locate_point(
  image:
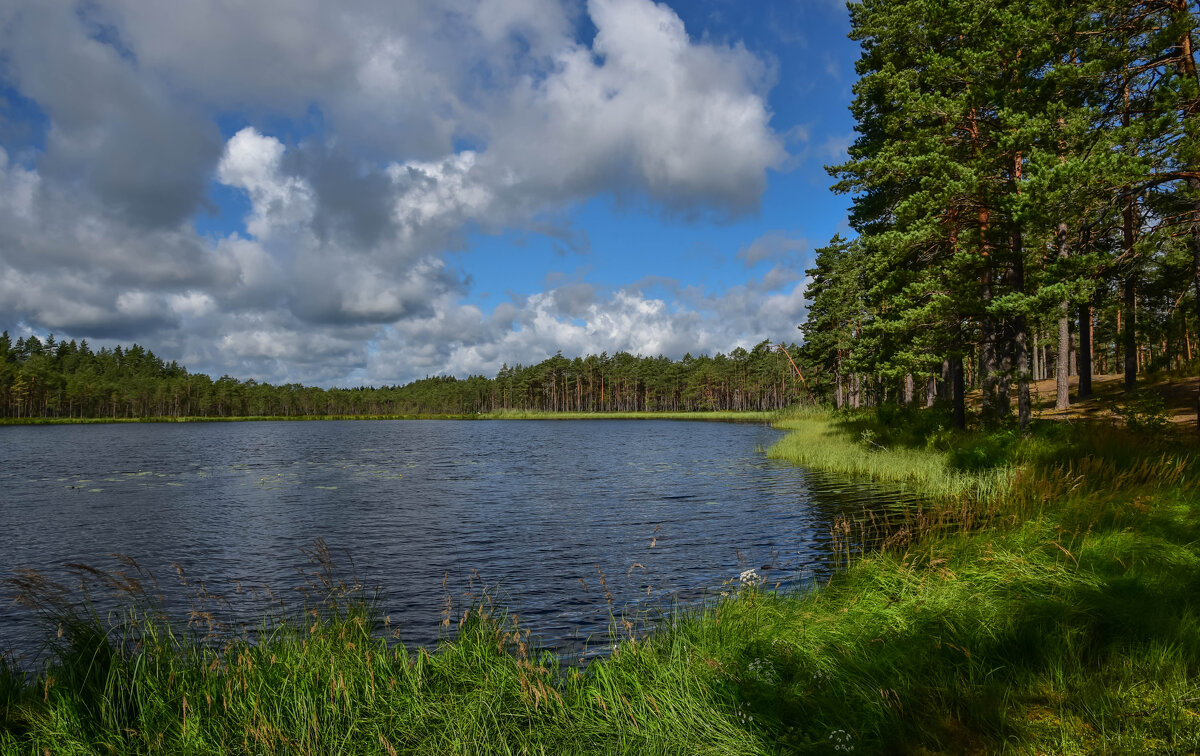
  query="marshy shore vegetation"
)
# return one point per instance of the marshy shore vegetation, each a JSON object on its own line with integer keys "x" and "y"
{"x": 1043, "y": 599}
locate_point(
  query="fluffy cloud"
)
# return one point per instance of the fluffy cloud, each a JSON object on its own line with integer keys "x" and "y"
{"x": 644, "y": 109}
{"x": 572, "y": 318}
{"x": 422, "y": 122}
{"x": 280, "y": 203}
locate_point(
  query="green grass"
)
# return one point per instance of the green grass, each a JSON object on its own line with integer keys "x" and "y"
{"x": 325, "y": 679}
{"x": 1045, "y": 598}
{"x": 863, "y": 449}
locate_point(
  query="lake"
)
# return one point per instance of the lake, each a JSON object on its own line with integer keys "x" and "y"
{"x": 667, "y": 510}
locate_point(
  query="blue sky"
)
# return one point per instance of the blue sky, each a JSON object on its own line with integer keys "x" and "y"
{"x": 372, "y": 192}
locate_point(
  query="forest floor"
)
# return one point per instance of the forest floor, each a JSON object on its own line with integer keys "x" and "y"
{"x": 1178, "y": 393}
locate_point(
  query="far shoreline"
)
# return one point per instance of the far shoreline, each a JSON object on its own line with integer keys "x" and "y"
{"x": 746, "y": 416}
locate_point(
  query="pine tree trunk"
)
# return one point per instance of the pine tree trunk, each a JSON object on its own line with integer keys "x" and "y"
{"x": 1062, "y": 397}
{"x": 1021, "y": 341}
{"x": 1195, "y": 240}
{"x": 988, "y": 368}
{"x": 1187, "y": 64}
{"x": 988, "y": 352}
{"x": 1130, "y": 299}
{"x": 958, "y": 395}
{"x": 1085, "y": 352}
{"x": 1129, "y": 296}
{"x": 1037, "y": 357}
{"x": 837, "y": 375}
{"x": 1005, "y": 353}
{"x": 1072, "y": 367}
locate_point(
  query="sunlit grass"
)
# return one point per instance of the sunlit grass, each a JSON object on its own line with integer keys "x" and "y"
{"x": 816, "y": 441}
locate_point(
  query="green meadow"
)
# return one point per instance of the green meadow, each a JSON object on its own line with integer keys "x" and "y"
{"x": 1045, "y": 598}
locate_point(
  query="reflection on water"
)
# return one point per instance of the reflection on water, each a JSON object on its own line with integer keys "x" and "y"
{"x": 539, "y": 509}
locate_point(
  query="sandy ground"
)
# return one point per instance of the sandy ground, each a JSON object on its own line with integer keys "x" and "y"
{"x": 1179, "y": 395}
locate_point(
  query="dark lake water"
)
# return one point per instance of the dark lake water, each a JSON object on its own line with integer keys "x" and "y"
{"x": 669, "y": 511}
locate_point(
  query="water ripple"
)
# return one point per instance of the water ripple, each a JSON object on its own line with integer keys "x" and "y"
{"x": 536, "y": 508}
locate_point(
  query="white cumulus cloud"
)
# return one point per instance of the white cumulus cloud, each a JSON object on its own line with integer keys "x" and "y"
{"x": 419, "y": 123}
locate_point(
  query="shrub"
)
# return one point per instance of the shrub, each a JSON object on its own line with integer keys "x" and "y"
{"x": 1144, "y": 412}
{"x": 984, "y": 452}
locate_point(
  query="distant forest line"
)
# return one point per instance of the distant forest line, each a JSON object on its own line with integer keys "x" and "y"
{"x": 45, "y": 378}
{"x": 49, "y": 378}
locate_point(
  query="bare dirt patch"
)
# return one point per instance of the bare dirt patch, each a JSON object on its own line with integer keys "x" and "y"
{"x": 1179, "y": 398}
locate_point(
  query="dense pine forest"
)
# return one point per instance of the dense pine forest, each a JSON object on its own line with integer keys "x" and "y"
{"x": 47, "y": 378}
{"x": 1026, "y": 197}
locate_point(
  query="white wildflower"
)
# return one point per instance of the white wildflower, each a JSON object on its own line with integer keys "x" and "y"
{"x": 764, "y": 671}
{"x": 750, "y": 578}
{"x": 743, "y": 713}
{"x": 842, "y": 741}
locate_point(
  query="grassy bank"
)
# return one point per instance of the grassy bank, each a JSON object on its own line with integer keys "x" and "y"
{"x": 866, "y": 448}
{"x": 1046, "y": 599}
